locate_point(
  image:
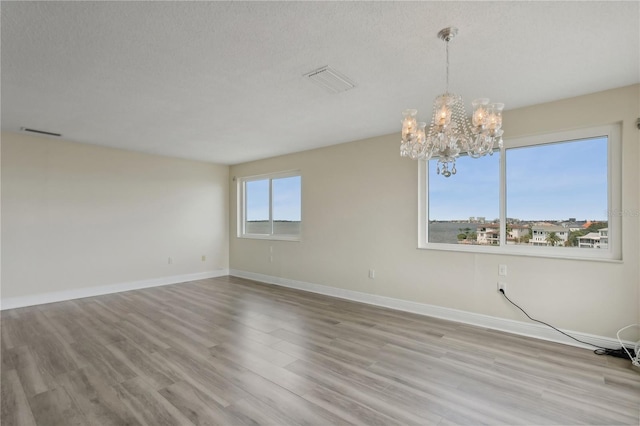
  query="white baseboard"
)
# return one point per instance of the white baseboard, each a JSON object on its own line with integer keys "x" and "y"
{"x": 533, "y": 330}
{"x": 79, "y": 293}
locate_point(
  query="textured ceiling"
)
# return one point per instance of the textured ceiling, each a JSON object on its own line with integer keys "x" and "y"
{"x": 223, "y": 81}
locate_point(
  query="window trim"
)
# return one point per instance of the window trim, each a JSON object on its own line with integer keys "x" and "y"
{"x": 242, "y": 203}
{"x": 614, "y": 177}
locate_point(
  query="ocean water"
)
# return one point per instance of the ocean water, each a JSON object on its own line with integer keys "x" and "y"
{"x": 279, "y": 228}
{"x": 439, "y": 232}
{"x": 447, "y": 232}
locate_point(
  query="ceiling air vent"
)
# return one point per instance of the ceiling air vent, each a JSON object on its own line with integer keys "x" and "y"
{"x": 330, "y": 79}
{"x": 40, "y": 132}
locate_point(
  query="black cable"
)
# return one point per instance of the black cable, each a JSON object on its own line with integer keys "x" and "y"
{"x": 618, "y": 353}
{"x": 599, "y": 351}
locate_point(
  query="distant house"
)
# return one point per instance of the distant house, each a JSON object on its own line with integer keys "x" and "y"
{"x": 540, "y": 235}
{"x": 488, "y": 234}
{"x": 516, "y": 233}
{"x": 573, "y": 225}
{"x": 598, "y": 239}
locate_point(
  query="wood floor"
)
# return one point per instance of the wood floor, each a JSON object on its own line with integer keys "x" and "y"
{"x": 229, "y": 351}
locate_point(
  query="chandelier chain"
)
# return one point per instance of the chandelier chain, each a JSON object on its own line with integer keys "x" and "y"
{"x": 447, "y": 50}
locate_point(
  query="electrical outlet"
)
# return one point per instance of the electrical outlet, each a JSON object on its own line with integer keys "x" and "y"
{"x": 502, "y": 270}
{"x": 169, "y": 260}
{"x": 502, "y": 286}
{"x": 372, "y": 273}
{"x": 203, "y": 258}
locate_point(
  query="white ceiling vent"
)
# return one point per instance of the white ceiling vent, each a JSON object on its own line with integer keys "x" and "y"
{"x": 330, "y": 79}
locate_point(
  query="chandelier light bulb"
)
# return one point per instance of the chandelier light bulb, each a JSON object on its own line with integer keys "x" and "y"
{"x": 409, "y": 124}
{"x": 479, "y": 112}
{"x": 451, "y": 133}
{"x": 444, "y": 116}
{"x": 494, "y": 117}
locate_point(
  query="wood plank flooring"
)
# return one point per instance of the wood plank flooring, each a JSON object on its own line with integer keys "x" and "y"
{"x": 229, "y": 351}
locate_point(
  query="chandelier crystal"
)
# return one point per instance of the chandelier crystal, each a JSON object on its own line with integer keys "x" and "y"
{"x": 451, "y": 133}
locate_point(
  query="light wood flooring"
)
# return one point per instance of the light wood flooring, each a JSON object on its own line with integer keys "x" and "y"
{"x": 229, "y": 351}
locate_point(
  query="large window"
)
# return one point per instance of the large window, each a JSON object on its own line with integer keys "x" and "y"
{"x": 270, "y": 206}
{"x": 550, "y": 195}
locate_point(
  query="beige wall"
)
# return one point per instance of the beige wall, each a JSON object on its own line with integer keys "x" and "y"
{"x": 77, "y": 216}
{"x": 360, "y": 213}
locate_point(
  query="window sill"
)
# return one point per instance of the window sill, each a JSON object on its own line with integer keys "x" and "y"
{"x": 524, "y": 252}
{"x": 293, "y": 238}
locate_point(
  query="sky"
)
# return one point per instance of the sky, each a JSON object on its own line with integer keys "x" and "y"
{"x": 286, "y": 199}
{"x": 544, "y": 182}
{"x": 553, "y": 181}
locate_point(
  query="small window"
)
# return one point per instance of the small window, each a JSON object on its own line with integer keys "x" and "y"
{"x": 270, "y": 206}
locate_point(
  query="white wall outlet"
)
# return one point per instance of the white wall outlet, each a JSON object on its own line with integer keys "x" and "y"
{"x": 502, "y": 286}
{"x": 502, "y": 270}
{"x": 372, "y": 273}
{"x": 203, "y": 258}
{"x": 270, "y": 259}
{"x": 169, "y": 260}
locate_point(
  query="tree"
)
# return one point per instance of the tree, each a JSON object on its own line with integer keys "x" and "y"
{"x": 572, "y": 241}
{"x": 552, "y": 238}
{"x": 464, "y": 234}
{"x": 524, "y": 239}
{"x": 597, "y": 225}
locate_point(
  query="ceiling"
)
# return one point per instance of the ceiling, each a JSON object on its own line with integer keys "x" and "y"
{"x": 224, "y": 82}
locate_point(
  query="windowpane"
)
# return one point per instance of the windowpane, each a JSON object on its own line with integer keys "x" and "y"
{"x": 286, "y": 205}
{"x": 271, "y": 206}
{"x": 464, "y": 208}
{"x": 257, "y": 207}
{"x": 557, "y": 194}
{"x": 559, "y": 191}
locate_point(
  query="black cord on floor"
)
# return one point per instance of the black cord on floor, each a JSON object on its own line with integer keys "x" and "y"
{"x": 599, "y": 351}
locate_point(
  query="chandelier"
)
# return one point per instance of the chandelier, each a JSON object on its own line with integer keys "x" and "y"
{"x": 451, "y": 133}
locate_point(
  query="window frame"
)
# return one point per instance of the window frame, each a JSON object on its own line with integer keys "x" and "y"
{"x": 614, "y": 199}
{"x": 242, "y": 206}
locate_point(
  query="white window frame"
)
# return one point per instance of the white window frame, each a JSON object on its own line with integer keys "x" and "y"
{"x": 242, "y": 206}
{"x": 614, "y": 176}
